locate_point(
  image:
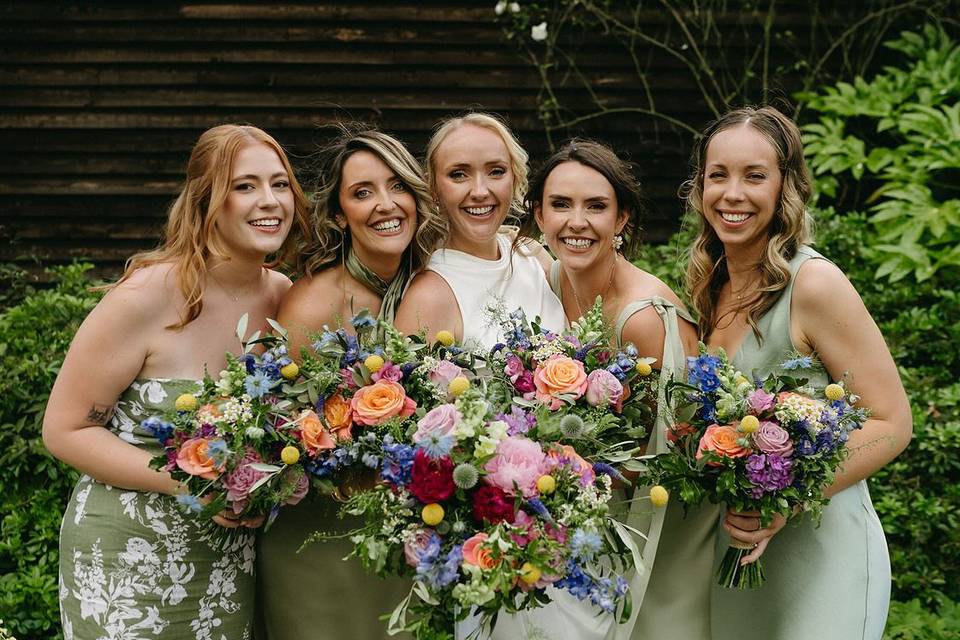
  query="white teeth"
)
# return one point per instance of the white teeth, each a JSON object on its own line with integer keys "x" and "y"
{"x": 479, "y": 211}
{"x": 579, "y": 243}
{"x": 387, "y": 225}
{"x": 266, "y": 222}
{"x": 734, "y": 217}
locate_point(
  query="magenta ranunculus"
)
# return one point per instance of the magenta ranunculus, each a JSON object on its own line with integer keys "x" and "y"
{"x": 388, "y": 371}
{"x": 440, "y": 420}
{"x": 443, "y": 373}
{"x": 524, "y": 384}
{"x": 241, "y": 479}
{"x": 513, "y": 368}
{"x": 603, "y": 388}
{"x": 414, "y": 547}
{"x": 772, "y": 438}
{"x": 517, "y": 462}
{"x": 759, "y": 400}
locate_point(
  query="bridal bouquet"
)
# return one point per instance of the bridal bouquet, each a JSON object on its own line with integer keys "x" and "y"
{"x": 769, "y": 445}
{"x": 238, "y": 444}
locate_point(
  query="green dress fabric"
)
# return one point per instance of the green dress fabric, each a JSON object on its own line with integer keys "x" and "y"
{"x": 134, "y": 566}
{"x": 314, "y": 592}
{"x": 830, "y": 582}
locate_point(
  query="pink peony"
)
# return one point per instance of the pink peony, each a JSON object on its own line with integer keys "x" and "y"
{"x": 443, "y": 373}
{"x": 440, "y": 420}
{"x": 772, "y": 438}
{"x": 241, "y": 479}
{"x": 516, "y": 464}
{"x": 759, "y": 400}
{"x": 603, "y": 388}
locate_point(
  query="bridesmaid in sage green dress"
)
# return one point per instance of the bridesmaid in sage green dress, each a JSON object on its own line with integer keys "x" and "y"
{"x": 133, "y": 565}
{"x": 585, "y": 200}
{"x": 370, "y": 206}
{"x": 764, "y": 296}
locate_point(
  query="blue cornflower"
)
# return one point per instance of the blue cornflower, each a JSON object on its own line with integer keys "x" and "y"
{"x": 584, "y": 545}
{"x": 191, "y": 504}
{"x": 540, "y": 509}
{"x": 161, "y": 429}
{"x": 803, "y": 362}
{"x": 258, "y": 384}
{"x": 436, "y": 445}
{"x": 397, "y": 463}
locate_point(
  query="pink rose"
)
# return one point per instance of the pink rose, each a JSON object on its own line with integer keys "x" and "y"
{"x": 241, "y": 479}
{"x": 513, "y": 368}
{"x": 300, "y": 491}
{"x": 772, "y": 438}
{"x": 414, "y": 547}
{"x": 346, "y": 379}
{"x": 440, "y": 420}
{"x": 603, "y": 388}
{"x": 759, "y": 400}
{"x": 559, "y": 376}
{"x": 443, "y": 373}
{"x": 388, "y": 371}
{"x": 516, "y": 464}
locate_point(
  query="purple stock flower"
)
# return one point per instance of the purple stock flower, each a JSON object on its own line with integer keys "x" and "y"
{"x": 518, "y": 421}
{"x": 768, "y": 473}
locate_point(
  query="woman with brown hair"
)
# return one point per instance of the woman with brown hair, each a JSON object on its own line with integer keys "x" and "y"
{"x": 131, "y": 561}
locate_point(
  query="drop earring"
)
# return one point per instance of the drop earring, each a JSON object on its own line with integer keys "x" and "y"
{"x": 617, "y": 242}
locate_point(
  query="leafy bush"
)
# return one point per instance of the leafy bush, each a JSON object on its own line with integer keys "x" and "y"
{"x": 35, "y": 336}
{"x": 912, "y": 621}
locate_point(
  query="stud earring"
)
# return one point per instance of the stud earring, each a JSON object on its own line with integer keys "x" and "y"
{"x": 617, "y": 242}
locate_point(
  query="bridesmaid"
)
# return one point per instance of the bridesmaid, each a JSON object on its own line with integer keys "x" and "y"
{"x": 477, "y": 172}
{"x": 131, "y": 562}
{"x": 763, "y": 294}
{"x": 371, "y": 204}
{"x": 586, "y": 202}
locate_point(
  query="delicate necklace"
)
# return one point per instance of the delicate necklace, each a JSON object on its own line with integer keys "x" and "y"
{"x": 230, "y": 294}
{"x": 606, "y": 290}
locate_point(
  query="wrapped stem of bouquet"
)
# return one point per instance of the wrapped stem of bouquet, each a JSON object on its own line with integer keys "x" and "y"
{"x": 770, "y": 446}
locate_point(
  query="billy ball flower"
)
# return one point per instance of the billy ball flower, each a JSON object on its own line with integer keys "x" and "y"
{"x": 290, "y": 455}
{"x": 445, "y": 338}
{"x": 432, "y": 514}
{"x": 185, "y": 402}
{"x": 458, "y": 385}
{"x": 834, "y": 392}
{"x": 373, "y": 363}
{"x": 659, "y": 496}
{"x": 290, "y": 371}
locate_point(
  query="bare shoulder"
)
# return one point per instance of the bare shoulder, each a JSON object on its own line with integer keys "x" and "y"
{"x": 146, "y": 294}
{"x": 278, "y": 282}
{"x": 647, "y": 285}
{"x": 821, "y": 287}
{"x": 308, "y": 301}
{"x": 429, "y": 303}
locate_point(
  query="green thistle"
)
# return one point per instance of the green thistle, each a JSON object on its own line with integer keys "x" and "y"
{"x": 571, "y": 426}
{"x": 465, "y": 475}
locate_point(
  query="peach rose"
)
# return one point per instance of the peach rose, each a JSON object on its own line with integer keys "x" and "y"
{"x": 475, "y": 554}
{"x": 380, "y": 401}
{"x": 721, "y": 440}
{"x": 559, "y": 375}
{"x": 339, "y": 416}
{"x": 313, "y": 434}
{"x": 195, "y": 460}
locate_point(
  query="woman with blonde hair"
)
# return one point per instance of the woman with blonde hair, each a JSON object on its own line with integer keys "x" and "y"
{"x": 764, "y": 295}
{"x": 131, "y": 561}
{"x": 373, "y": 222}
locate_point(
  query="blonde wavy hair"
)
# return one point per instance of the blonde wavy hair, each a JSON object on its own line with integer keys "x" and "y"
{"x": 517, "y": 154}
{"x": 190, "y": 239}
{"x": 790, "y": 228}
{"x": 324, "y": 246}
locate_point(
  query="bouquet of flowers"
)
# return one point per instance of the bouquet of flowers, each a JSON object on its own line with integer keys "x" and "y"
{"x": 237, "y": 444}
{"x": 769, "y": 445}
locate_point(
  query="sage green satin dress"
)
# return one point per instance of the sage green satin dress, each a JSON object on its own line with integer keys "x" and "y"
{"x": 830, "y": 582}
{"x": 134, "y": 566}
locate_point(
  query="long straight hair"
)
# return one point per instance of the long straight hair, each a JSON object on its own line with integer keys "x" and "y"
{"x": 190, "y": 239}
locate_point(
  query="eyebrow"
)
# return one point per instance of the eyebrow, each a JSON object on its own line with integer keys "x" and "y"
{"x": 749, "y": 166}
{"x": 250, "y": 176}
{"x": 364, "y": 183}
{"x": 560, "y": 196}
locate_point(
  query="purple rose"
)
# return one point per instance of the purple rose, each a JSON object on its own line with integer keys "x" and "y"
{"x": 388, "y": 371}
{"x": 513, "y": 368}
{"x": 759, "y": 400}
{"x": 416, "y": 545}
{"x": 440, "y": 420}
{"x": 241, "y": 479}
{"x": 772, "y": 438}
{"x": 603, "y": 388}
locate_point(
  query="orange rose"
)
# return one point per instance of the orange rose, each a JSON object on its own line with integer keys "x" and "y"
{"x": 339, "y": 416}
{"x": 475, "y": 554}
{"x": 194, "y": 458}
{"x": 721, "y": 440}
{"x": 380, "y": 401}
{"x": 313, "y": 434}
{"x": 559, "y": 375}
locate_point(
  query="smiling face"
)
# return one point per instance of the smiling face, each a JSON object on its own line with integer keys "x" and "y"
{"x": 258, "y": 211}
{"x": 579, "y": 216}
{"x": 379, "y": 209}
{"x": 741, "y": 187}
{"x": 474, "y": 186}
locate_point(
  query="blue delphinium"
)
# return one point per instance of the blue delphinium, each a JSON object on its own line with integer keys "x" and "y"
{"x": 825, "y": 441}
{"x": 576, "y": 581}
{"x": 190, "y": 503}
{"x": 363, "y": 320}
{"x": 702, "y": 372}
{"x": 805, "y": 446}
{"x": 397, "y": 463}
{"x": 434, "y": 572}
{"x": 161, "y": 429}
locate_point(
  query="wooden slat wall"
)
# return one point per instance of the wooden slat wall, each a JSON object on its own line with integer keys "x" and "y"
{"x": 101, "y": 102}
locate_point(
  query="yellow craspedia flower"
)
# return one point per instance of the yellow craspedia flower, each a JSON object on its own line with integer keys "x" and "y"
{"x": 834, "y": 392}
{"x": 458, "y": 385}
{"x": 432, "y": 514}
{"x": 546, "y": 484}
{"x": 749, "y": 424}
{"x": 373, "y": 362}
{"x": 659, "y": 496}
{"x": 290, "y": 454}
{"x": 290, "y": 371}
{"x": 445, "y": 338}
{"x": 185, "y": 402}
{"x": 644, "y": 368}
{"x": 529, "y": 573}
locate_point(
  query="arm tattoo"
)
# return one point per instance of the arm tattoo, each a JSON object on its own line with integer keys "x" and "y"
{"x": 100, "y": 414}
